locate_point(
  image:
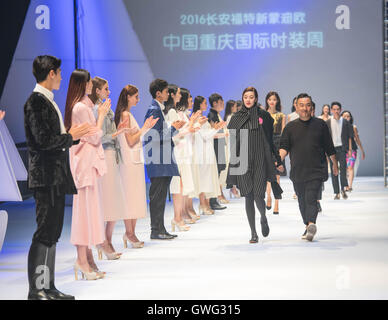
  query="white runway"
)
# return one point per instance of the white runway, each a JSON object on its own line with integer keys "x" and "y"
{"x": 348, "y": 259}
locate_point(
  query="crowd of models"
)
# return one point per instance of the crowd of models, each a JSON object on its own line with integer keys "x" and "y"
{"x": 98, "y": 156}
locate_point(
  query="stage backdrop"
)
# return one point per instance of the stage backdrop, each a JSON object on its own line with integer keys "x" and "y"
{"x": 331, "y": 49}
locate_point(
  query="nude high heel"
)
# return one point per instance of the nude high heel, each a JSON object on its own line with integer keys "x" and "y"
{"x": 205, "y": 211}
{"x": 190, "y": 221}
{"x": 136, "y": 245}
{"x": 223, "y": 200}
{"x": 193, "y": 215}
{"x": 181, "y": 227}
{"x": 109, "y": 255}
{"x": 89, "y": 275}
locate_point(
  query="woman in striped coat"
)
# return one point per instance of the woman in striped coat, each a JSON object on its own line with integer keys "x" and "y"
{"x": 251, "y": 165}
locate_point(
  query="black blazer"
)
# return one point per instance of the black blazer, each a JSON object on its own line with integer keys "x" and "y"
{"x": 346, "y": 133}
{"x": 48, "y": 149}
{"x": 219, "y": 144}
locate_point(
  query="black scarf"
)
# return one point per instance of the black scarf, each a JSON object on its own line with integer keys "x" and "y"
{"x": 252, "y": 115}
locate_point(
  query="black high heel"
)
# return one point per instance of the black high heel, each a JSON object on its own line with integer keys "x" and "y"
{"x": 254, "y": 239}
{"x": 264, "y": 226}
{"x": 268, "y": 207}
{"x": 276, "y": 212}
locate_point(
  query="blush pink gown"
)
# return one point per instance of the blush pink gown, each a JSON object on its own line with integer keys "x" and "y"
{"x": 132, "y": 176}
{"x": 87, "y": 164}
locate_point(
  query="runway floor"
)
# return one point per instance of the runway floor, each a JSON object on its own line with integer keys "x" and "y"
{"x": 348, "y": 258}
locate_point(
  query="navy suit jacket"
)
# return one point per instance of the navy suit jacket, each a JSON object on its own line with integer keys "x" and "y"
{"x": 159, "y": 140}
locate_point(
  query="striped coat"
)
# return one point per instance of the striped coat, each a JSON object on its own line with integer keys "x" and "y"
{"x": 261, "y": 167}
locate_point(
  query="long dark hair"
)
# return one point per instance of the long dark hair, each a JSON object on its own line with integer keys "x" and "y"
{"x": 183, "y": 103}
{"x": 326, "y": 105}
{"x": 122, "y": 102}
{"x": 350, "y": 114}
{"x": 169, "y": 104}
{"x": 293, "y": 109}
{"x": 228, "y": 108}
{"x": 197, "y": 103}
{"x": 278, "y": 103}
{"x": 75, "y": 92}
{"x": 253, "y": 89}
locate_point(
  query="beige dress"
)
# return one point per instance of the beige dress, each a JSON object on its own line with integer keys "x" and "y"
{"x": 132, "y": 176}
{"x": 205, "y": 172}
{"x": 183, "y": 155}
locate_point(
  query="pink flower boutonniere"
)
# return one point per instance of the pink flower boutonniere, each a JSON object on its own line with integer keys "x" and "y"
{"x": 260, "y": 120}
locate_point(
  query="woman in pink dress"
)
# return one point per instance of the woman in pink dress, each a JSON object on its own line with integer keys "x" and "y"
{"x": 87, "y": 164}
{"x": 132, "y": 164}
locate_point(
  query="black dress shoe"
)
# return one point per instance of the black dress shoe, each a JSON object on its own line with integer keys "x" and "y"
{"x": 217, "y": 206}
{"x": 254, "y": 239}
{"x": 34, "y": 294}
{"x": 214, "y": 205}
{"x": 161, "y": 236}
{"x": 171, "y": 235}
{"x": 55, "y": 294}
{"x": 264, "y": 226}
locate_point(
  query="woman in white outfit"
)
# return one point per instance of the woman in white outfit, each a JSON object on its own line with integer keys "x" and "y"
{"x": 183, "y": 185}
{"x": 206, "y": 178}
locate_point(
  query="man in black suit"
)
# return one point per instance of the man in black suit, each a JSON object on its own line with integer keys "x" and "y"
{"x": 342, "y": 133}
{"x": 49, "y": 174}
{"x": 216, "y": 106}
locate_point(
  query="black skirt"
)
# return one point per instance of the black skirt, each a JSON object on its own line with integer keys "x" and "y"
{"x": 276, "y": 142}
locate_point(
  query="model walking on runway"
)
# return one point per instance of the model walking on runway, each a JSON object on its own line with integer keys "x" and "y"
{"x": 255, "y": 125}
{"x": 351, "y": 159}
{"x": 274, "y": 107}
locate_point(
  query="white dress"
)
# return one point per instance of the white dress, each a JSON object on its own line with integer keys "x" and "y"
{"x": 224, "y": 173}
{"x": 183, "y": 155}
{"x": 205, "y": 163}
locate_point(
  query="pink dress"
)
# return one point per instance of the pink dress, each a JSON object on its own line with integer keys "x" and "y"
{"x": 87, "y": 164}
{"x": 132, "y": 176}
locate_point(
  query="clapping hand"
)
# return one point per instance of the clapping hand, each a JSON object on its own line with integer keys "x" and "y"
{"x": 194, "y": 117}
{"x": 202, "y": 120}
{"x": 220, "y": 125}
{"x": 178, "y": 124}
{"x": 148, "y": 124}
{"x": 122, "y": 128}
{"x": 104, "y": 108}
{"x": 79, "y": 131}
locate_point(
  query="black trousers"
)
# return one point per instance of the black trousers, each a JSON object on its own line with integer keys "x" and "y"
{"x": 158, "y": 194}
{"x": 250, "y": 201}
{"x": 308, "y": 194}
{"x": 50, "y": 210}
{"x": 341, "y": 158}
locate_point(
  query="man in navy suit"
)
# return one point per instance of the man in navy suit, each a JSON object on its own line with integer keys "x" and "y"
{"x": 160, "y": 161}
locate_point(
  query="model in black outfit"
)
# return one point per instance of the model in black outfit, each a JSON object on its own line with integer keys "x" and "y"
{"x": 258, "y": 125}
{"x": 49, "y": 175}
{"x": 308, "y": 141}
